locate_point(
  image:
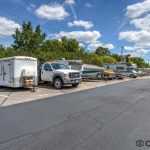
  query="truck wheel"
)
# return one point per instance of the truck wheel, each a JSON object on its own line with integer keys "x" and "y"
{"x": 58, "y": 84}
{"x": 75, "y": 84}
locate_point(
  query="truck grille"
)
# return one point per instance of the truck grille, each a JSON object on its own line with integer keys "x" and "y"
{"x": 74, "y": 75}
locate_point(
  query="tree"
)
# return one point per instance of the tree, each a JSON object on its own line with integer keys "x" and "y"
{"x": 53, "y": 45}
{"x": 140, "y": 62}
{"x": 70, "y": 45}
{"x": 102, "y": 51}
{"x": 27, "y": 39}
{"x": 2, "y": 51}
{"x": 116, "y": 57}
{"x": 127, "y": 57}
{"x": 108, "y": 59}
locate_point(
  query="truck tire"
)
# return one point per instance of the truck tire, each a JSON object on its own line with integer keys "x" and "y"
{"x": 75, "y": 85}
{"x": 58, "y": 84}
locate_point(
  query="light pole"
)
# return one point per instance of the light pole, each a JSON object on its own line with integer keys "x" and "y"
{"x": 122, "y": 52}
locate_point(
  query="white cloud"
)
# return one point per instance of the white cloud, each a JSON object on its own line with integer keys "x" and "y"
{"x": 81, "y": 23}
{"x": 135, "y": 36}
{"x": 129, "y": 48}
{"x": 138, "y": 38}
{"x": 81, "y": 36}
{"x": 135, "y": 51}
{"x": 139, "y": 16}
{"x": 70, "y": 2}
{"x": 52, "y": 12}
{"x": 95, "y": 45}
{"x": 109, "y": 46}
{"x": 87, "y": 39}
{"x": 81, "y": 45}
{"x": 138, "y": 9}
{"x": 7, "y": 26}
{"x": 142, "y": 23}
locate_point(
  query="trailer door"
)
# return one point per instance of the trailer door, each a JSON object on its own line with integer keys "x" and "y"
{"x": 7, "y": 73}
{"x": 1, "y": 74}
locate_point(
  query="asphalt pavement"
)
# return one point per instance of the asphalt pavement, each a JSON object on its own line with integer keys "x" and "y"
{"x": 113, "y": 117}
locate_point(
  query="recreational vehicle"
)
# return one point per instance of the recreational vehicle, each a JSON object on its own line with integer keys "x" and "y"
{"x": 88, "y": 71}
{"x": 18, "y": 72}
{"x": 91, "y": 71}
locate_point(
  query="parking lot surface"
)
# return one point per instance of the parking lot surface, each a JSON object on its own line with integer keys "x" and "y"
{"x": 113, "y": 117}
{"x": 10, "y": 96}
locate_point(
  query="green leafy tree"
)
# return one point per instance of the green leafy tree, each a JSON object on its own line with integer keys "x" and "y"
{"x": 27, "y": 39}
{"x": 127, "y": 57}
{"x": 31, "y": 41}
{"x": 70, "y": 45}
{"x": 52, "y": 45}
{"x": 108, "y": 59}
{"x": 116, "y": 57}
{"x": 140, "y": 62}
{"x": 2, "y": 51}
{"x": 102, "y": 51}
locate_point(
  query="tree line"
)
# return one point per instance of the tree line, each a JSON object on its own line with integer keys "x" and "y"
{"x": 32, "y": 42}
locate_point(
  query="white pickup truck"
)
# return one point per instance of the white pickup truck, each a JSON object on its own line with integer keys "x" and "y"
{"x": 59, "y": 74}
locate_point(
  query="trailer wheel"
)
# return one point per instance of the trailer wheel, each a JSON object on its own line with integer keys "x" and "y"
{"x": 58, "y": 84}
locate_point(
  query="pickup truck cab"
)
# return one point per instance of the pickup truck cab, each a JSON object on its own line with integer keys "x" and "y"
{"x": 59, "y": 74}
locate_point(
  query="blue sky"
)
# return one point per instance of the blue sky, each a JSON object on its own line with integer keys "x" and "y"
{"x": 94, "y": 23}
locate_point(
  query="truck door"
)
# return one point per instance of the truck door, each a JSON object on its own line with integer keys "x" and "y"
{"x": 47, "y": 72}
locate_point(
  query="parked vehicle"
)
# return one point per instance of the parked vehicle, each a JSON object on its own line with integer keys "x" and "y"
{"x": 59, "y": 74}
{"x": 109, "y": 74}
{"x": 18, "y": 72}
{"x": 130, "y": 73}
{"x": 91, "y": 71}
{"x": 140, "y": 73}
{"x": 146, "y": 71}
{"x": 123, "y": 69}
{"x": 119, "y": 76}
{"x": 87, "y": 71}
{"x": 120, "y": 67}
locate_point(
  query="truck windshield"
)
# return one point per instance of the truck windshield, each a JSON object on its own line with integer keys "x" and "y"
{"x": 57, "y": 66}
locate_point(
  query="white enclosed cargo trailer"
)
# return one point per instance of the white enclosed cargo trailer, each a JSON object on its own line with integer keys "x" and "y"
{"x": 18, "y": 71}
